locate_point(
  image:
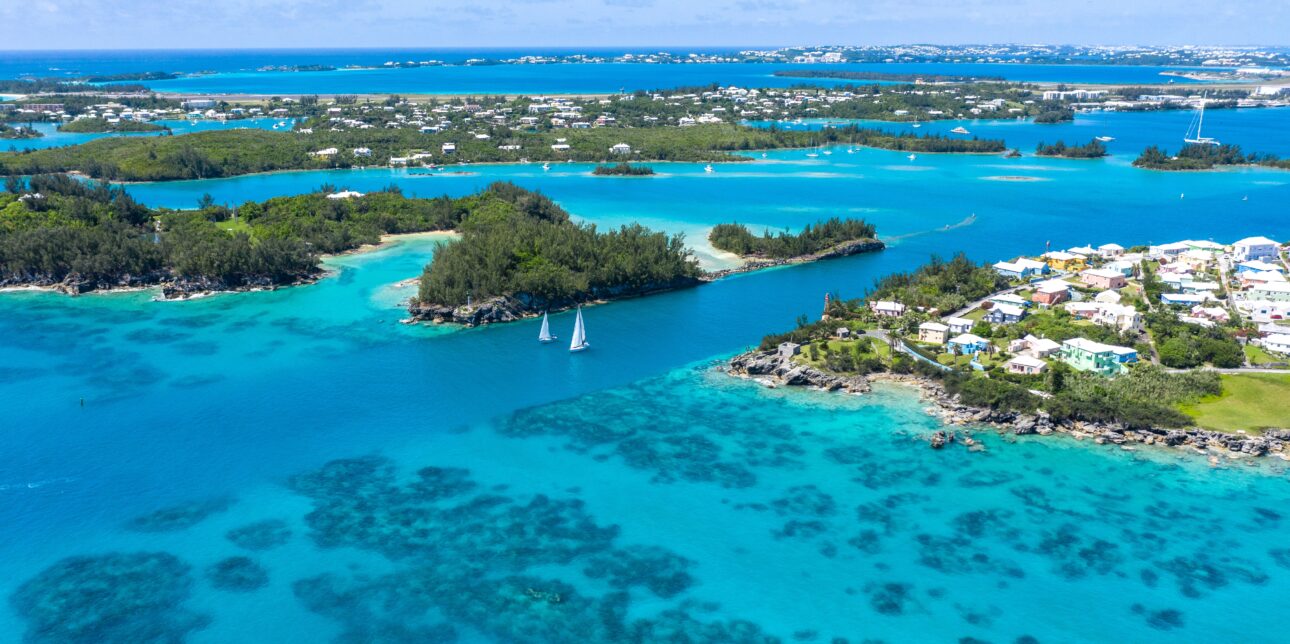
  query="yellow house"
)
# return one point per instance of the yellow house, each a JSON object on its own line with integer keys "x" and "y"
{"x": 1064, "y": 261}
{"x": 933, "y": 332}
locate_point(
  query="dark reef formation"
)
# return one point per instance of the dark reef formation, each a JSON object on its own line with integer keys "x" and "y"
{"x": 238, "y": 574}
{"x": 179, "y": 517}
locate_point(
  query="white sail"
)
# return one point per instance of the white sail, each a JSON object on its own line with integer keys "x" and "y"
{"x": 579, "y": 341}
{"x": 545, "y": 334}
{"x": 1199, "y": 122}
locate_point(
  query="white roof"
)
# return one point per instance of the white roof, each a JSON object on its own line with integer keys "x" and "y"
{"x": 1102, "y": 272}
{"x": 1043, "y": 344}
{"x": 883, "y": 305}
{"x": 933, "y": 326}
{"x": 1052, "y": 286}
{"x": 959, "y": 321}
{"x": 1256, "y": 241}
{"x": 1008, "y": 309}
{"x": 1110, "y": 247}
{"x": 967, "y": 338}
{"x": 1026, "y": 262}
{"x": 1278, "y": 338}
{"x": 1008, "y": 297}
{"x": 1272, "y": 287}
{"x": 1027, "y": 361}
{"x": 1096, "y": 347}
{"x": 1108, "y": 297}
{"x": 1260, "y": 265}
{"x": 1060, "y": 255}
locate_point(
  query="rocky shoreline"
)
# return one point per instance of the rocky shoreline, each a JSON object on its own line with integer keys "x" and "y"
{"x": 510, "y": 308}
{"x": 172, "y": 288}
{"x": 845, "y": 249}
{"x": 773, "y": 369}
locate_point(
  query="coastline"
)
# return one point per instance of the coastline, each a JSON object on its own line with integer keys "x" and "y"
{"x": 516, "y": 307}
{"x": 772, "y": 370}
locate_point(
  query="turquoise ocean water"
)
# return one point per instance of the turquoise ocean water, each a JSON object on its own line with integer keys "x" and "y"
{"x": 396, "y": 483}
{"x": 55, "y": 139}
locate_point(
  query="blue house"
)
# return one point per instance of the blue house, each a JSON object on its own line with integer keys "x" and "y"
{"x": 968, "y": 344}
{"x": 1004, "y": 314}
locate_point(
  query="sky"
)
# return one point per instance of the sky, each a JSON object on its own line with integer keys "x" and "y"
{"x": 136, "y": 24}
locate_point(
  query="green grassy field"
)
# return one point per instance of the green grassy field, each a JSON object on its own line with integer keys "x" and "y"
{"x": 1251, "y": 402}
{"x": 1258, "y": 357}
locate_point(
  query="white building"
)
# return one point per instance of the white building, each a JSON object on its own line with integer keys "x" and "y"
{"x": 1278, "y": 343}
{"x": 1252, "y": 248}
{"x": 621, "y": 148}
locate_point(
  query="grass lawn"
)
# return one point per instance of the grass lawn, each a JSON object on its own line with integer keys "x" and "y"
{"x": 1258, "y": 357}
{"x": 234, "y": 226}
{"x": 878, "y": 348}
{"x": 1251, "y": 401}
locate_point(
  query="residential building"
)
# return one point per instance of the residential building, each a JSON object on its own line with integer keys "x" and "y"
{"x": 1025, "y": 365}
{"x": 1110, "y": 250}
{"x": 1010, "y": 299}
{"x": 968, "y": 344}
{"x": 1106, "y": 359}
{"x": 933, "y": 332}
{"x": 1252, "y": 248}
{"x": 1258, "y": 266}
{"x": 789, "y": 349}
{"x": 1118, "y": 316}
{"x": 888, "y": 309}
{"x": 1107, "y": 297}
{"x": 1124, "y": 266}
{"x": 1004, "y": 314}
{"x": 1277, "y": 343}
{"x": 1102, "y": 278}
{"x": 1051, "y": 292}
{"x": 958, "y": 326}
{"x": 621, "y": 148}
{"x": 1064, "y": 261}
{"x": 1271, "y": 292}
{"x": 1184, "y": 299}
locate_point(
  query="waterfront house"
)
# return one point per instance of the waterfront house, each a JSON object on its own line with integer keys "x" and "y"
{"x": 448, "y": 147}
{"x": 958, "y": 325}
{"x": 1167, "y": 250}
{"x": 888, "y": 309}
{"x": 1254, "y": 248}
{"x": 1025, "y": 365}
{"x": 968, "y": 344}
{"x": 1101, "y": 278}
{"x": 933, "y": 332}
{"x": 1064, "y": 261}
{"x": 1110, "y": 250}
{"x": 1277, "y": 343}
{"x": 1051, "y": 292}
{"x": 1010, "y": 270}
{"x": 789, "y": 349}
{"x": 325, "y": 153}
{"x": 1105, "y": 359}
{"x": 1004, "y": 314}
{"x": 1021, "y": 268}
{"x": 620, "y": 148}
{"x": 362, "y": 152}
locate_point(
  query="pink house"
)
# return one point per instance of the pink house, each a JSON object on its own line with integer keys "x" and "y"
{"x": 1103, "y": 278}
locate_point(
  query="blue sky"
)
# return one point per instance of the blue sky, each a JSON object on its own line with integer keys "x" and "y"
{"x": 134, "y": 24}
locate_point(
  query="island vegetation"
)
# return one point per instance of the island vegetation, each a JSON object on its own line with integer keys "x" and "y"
{"x": 623, "y": 170}
{"x": 1199, "y": 156}
{"x": 520, "y": 254}
{"x": 19, "y": 132}
{"x": 880, "y": 76}
{"x": 79, "y": 236}
{"x": 224, "y": 153}
{"x": 823, "y": 236}
{"x": 1049, "y": 117}
{"x": 101, "y": 125}
{"x": 1094, "y": 149}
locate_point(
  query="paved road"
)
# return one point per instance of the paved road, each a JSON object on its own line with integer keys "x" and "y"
{"x": 1235, "y": 371}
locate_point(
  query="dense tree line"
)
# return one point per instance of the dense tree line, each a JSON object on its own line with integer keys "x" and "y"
{"x": 1183, "y": 346}
{"x": 53, "y": 228}
{"x": 520, "y": 244}
{"x": 1055, "y": 116}
{"x": 1092, "y": 150}
{"x": 1198, "y": 156}
{"x": 737, "y": 239}
{"x": 623, "y": 170}
{"x": 939, "y": 284}
{"x": 223, "y": 153}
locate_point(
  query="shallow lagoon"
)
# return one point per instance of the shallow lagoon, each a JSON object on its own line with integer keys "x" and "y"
{"x": 810, "y": 516}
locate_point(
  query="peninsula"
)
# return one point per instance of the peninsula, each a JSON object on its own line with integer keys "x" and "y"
{"x": 1089, "y": 342}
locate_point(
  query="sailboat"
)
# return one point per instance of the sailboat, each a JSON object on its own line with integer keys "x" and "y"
{"x": 1105, "y": 139}
{"x": 913, "y": 157}
{"x": 546, "y": 166}
{"x": 579, "y": 342}
{"x": 1199, "y": 122}
{"x": 708, "y": 168}
{"x": 544, "y": 336}
{"x": 960, "y": 130}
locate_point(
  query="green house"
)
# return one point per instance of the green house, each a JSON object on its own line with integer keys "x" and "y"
{"x": 1105, "y": 359}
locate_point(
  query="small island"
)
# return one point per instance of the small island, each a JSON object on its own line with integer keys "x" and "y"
{"x": 19, "y": 132}
{"x": 824, "y": 240}
{"x": 1055, "y": 116}
{"x": 1094, "y": 149}
{"x": 520, "y": 254}
{"x": 99, "y": 125}
{"x": 623, "y": 170}
{"x": 1199, "y": 156}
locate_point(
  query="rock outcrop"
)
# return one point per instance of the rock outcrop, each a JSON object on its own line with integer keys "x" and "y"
{"x": 784, "y": 370}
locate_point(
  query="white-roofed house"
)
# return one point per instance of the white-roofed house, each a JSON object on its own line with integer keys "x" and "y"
{"x": 888, "y": 309}
{"x": 1026, "y": 365}
{"x": 1255, "y": 248}
{"x": 1277, "y": 343}
{"x": 1110, "y": 250}
{"x": 959, "y": 325}
{"x": 933, "y": 332}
